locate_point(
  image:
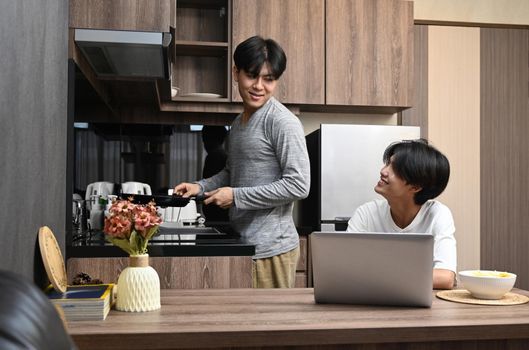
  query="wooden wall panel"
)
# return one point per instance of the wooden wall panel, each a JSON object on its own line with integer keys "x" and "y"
{"x": 298, "y": 26}
{"x": 504, "y": 147}
{"x": 417, "y": 115}
{"x": 33, "y": 110}
{"x": 453, "y": 127}
{"x": 494, "y": 12}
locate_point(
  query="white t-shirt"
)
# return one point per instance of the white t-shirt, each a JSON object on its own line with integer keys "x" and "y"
{"x": 433, "y": 217}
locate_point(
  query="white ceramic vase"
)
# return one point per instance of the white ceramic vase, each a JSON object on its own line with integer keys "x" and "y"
{"x": 138, "y": 286}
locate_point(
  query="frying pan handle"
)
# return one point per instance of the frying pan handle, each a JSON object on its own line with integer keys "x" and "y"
{"x": 199, "y": 198}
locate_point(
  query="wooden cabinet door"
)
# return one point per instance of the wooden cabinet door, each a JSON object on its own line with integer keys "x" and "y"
{"x": 298, "y": 26}
{"x": 369, "y": 52}
{"x": 140, "y": 15}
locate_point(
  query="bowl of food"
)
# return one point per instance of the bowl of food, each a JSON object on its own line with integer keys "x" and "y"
{"x": 487, "y": 284}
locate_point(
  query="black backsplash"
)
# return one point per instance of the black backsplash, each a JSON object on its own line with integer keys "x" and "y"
{"x": 159, "y": 155}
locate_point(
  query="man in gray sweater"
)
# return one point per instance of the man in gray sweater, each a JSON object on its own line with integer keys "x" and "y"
{"x": 267, "y": 168}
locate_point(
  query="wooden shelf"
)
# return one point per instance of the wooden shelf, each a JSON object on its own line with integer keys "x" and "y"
{"x": 200, "y": 48}
{"x": 200, "y": 99}
{"x": 204, "y": 4}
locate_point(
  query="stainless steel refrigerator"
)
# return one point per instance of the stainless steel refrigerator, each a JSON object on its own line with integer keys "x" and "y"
{"x": 345, "y": 165}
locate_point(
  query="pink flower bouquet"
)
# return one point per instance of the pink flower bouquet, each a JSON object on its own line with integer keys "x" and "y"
{"x": 130, "y": 226}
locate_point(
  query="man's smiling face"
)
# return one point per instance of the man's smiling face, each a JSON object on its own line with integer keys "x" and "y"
{"x": 255, "y": 91}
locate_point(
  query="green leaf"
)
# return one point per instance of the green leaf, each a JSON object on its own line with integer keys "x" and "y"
{"x": 143, "y": 248}
{"x": 152, "y": 232}
{"x": 142, "y": 245}
{"x": 134, "y": 246}
{"x": 120, "y": 242}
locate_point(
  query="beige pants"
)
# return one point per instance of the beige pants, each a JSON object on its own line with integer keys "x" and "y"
{"x": 277, "y": 271}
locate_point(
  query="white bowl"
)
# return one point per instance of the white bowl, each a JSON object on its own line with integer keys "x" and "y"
{"x": 486, "y": 284}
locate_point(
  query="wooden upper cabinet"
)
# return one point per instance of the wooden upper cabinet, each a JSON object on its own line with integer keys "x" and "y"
{"x": 138, "y": 15}
{"x": 201, "y": 69}
{"x": 298, "y": 26}
{"x": 369, "y": 52}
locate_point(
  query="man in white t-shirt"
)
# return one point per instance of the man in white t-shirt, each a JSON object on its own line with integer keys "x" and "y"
{"x": 413, "y": 175}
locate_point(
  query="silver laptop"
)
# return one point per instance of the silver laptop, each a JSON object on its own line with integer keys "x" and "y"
{"x": 372, "y": 268}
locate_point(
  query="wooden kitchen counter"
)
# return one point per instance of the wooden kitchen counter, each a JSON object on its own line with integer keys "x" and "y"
{"x": 254, "y": 318}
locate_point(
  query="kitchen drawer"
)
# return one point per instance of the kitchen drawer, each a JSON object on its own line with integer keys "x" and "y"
{"x": 186, "y": 272}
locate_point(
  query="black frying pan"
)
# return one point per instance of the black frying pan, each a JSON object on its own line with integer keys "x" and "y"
{"x": 160, "y": 199}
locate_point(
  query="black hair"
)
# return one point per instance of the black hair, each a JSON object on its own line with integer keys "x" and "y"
{"x": 419, "y": 164}
{"x": 254, "y": 52}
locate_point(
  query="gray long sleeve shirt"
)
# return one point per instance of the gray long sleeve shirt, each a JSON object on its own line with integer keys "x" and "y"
{"x": 268, "y": 169}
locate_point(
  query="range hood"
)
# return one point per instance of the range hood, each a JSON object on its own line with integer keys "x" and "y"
{"x": 125, "y": 54}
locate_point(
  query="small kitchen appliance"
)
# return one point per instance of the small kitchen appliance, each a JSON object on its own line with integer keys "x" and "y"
{"x": 94, "y": 192}
{"x": 101, "y": 188}
{"x": 132, "y": 187}
{"x": 183, "y": 215}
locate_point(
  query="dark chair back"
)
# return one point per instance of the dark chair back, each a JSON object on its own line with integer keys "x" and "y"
{"x": 28, "y": 319}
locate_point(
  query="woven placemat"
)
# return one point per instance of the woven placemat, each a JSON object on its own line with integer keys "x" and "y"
{"x": 464, "y": 296}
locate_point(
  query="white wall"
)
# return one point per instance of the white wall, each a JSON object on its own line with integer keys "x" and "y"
{"x": 454, "y": 127}
{"x": 473, "y": 11}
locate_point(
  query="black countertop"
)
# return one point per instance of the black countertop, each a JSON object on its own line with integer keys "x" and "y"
{"x": 186, "y": 241}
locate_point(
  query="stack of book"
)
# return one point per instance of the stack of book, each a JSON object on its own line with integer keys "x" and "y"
{"x": 83, "y": 303}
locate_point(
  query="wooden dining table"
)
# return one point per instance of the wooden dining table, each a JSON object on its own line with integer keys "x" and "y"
{"x": 290, "y": 319}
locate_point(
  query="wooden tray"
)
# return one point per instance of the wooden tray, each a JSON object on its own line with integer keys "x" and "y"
{"x": 464, "y": 296}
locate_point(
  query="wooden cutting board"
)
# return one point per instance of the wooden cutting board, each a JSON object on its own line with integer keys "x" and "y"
{"x": 53, "y": 260}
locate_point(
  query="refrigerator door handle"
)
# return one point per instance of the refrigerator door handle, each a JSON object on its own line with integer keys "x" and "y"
{"x": 340, "y": 223}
